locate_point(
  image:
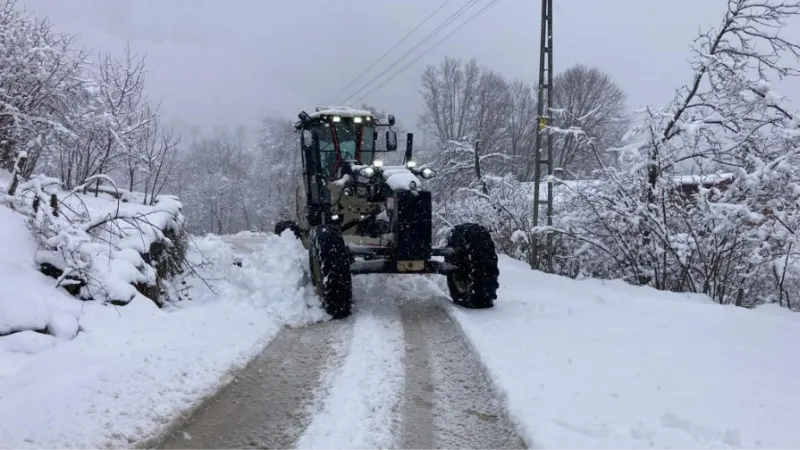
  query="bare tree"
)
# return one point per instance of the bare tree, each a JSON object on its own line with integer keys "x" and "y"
{"x": 465, "y": 100}
{"x": 521, "y": 128}
{"x": 468, "y": 101}
{"x": 586, "y": 98}
{"x": 240, "y": 180}
{"x": 280, "y": 169}
{"x": 449, "y": 93}
{"x": 158, "y": 161}
{"x": 39, "y": 74}
{"x": 110, "y": 120}
{"x": 489, "y": 117}
{"x": 468, "y": 106}
{"x": 215, "y": 172}
{"x": 122, "y": 91}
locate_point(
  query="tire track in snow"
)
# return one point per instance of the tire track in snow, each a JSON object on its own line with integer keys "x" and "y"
{"x": 450, "y": 402}
{"x": 363, "y": 397}
{"x": 418, "y": 430}
{"x": 267, "y": 403}
{"x": 387, "y": 377}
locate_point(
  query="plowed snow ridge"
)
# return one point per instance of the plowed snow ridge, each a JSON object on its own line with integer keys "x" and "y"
{"x": 362, "y": 400}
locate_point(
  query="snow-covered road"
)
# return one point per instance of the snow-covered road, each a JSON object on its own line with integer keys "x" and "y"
{"x": 399, "y": 373}
{"x": 575, "y": 363}
{"x": 267, "y": 404}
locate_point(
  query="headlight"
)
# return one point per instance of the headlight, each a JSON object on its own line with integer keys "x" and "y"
{"x": 411, "y": 164}
{"x": 377, "y": 163}
{"x": 368, "y": 172}
{"x": 428, "y": 173}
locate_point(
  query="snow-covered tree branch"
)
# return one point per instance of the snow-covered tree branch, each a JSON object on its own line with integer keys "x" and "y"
{"x": 730, "y": 231}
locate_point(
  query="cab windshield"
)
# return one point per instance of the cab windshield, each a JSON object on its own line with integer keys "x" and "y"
{"x": 348, "y": 134}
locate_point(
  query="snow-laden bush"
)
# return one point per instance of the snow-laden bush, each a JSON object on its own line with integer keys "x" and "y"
{"x": 736, "y": 238}
{"x": 501, "y": 203}
{"x": 64, "y": 116}
{"x": 101, "y": 248}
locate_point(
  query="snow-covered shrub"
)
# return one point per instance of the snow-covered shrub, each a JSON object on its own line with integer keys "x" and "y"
{"x": 736, "y": 238}
{"x": 501, "y": 203}
{"x": 461, "y": 194}
{"x": 65, "y": 117}
{"x": 503, "y": 208}
{"x": 100, "y": 248}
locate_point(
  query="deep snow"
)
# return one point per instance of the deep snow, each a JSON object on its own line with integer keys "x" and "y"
{"x": 602, "y": 364}
{"x": 28, "y": 300}
{"x": 133, "y": 369}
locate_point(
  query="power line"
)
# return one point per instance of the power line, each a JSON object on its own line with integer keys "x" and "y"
{"x": 389, "y": 51}
{"x": 430, "y": 35}
{"x": 481, "y": 11}
{"x": 454, "y": 16}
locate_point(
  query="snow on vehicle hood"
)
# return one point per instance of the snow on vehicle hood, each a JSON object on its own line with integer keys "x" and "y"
{"x": 399, "y": 178}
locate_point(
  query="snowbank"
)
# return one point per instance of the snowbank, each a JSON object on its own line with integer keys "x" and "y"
{"x": 593, "y": 364}
{"x": 29, "y": 299}
{"x": 133, "y": 370}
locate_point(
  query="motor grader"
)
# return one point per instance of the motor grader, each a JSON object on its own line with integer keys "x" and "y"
{"x": 358, "y": 215}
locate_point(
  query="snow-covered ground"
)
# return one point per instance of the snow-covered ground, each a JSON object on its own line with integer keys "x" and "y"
{"x": 582, "y": 364}
{"x": 594, "y": 364}
{"x": 131, "y": 370}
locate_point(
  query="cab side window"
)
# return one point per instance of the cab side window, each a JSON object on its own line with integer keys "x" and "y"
{"x": 326, "y": 147}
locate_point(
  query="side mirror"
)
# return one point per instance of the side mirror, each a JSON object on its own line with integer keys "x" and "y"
{"x": 391, "y": 120}
{"x": 391, "y": 141}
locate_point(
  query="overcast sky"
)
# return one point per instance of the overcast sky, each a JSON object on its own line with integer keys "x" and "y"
{"x": 231, "y": 62}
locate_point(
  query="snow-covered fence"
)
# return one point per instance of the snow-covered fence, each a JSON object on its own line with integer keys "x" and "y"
{"x": 54, "y": 210}
{"x": 100, "y": 248}
{"x": 19, "y": 163}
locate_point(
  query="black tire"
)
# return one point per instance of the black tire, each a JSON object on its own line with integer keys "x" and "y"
{"x": 329, "y": 261}
{"x": 281, "y": 226}
{"x": 474, "y": 285}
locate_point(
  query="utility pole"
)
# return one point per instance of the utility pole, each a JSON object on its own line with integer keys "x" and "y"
{"x": 543, "y": 108}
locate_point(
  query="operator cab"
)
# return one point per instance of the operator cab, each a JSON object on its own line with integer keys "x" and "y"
{"x": 346, "y": 137}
